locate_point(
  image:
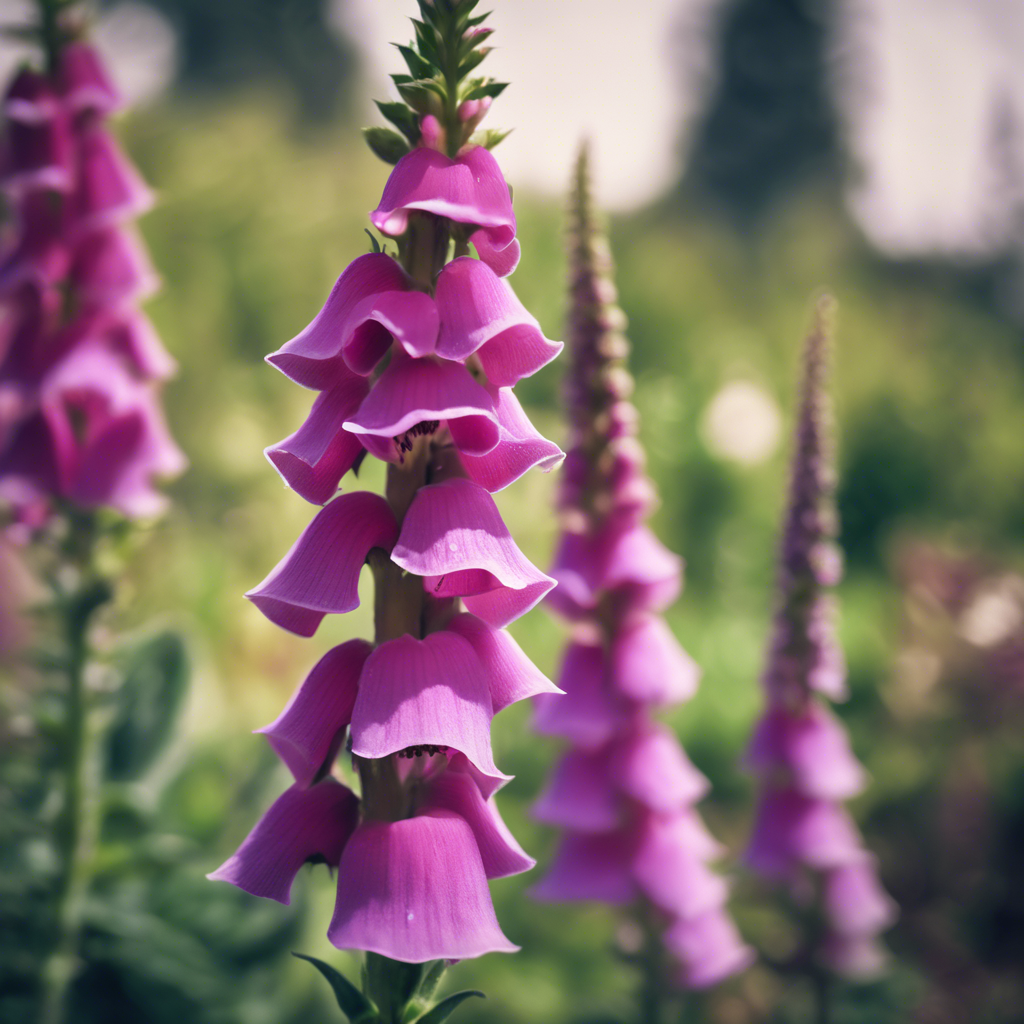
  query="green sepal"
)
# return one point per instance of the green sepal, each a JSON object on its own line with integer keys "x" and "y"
{"x": 473, "y": 61}
{"x": 447, "y": 1007}
{"x": 420, "y": 95}
{"x": 357, "y": 1007}
{"x": 418, "y": 67}
{"x": 375, "y": 245}
{"x": 388, "y": 145}
{"x": 426, "y": 42}
{"x": 402, "y": 118}
{"x": 401, "y": 79}
{"x": 486, "y": 88}
{"x": 490, "y": 137}
{"x": 431, "y": 979}
{"x": 156, "y": 677}
{"x": 478, "y": 20}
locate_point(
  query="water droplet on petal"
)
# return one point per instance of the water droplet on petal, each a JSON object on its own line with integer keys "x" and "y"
{"x": 409, "y": 916}
{"x": 453, "y": 546}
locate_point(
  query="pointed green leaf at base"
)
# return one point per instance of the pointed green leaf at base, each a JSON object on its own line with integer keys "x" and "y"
{"x": 353, "y": 1003}
{"x": 447, "y": 1007}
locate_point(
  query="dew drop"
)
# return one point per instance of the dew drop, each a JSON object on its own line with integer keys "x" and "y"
{"x": 453, "y": 546}
{"x": 409, "y": 916}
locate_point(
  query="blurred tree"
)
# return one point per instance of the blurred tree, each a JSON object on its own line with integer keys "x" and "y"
{"x": 231, "y": 42}
{"x": 770, "y": 124}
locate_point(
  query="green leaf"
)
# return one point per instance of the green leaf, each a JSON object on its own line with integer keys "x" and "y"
{"x": 155, "y": 680}
{"x": 353, "y": 1003}
{"x": 447, "y": 1007}
{"x": 373, "y": 241}
{"x": 388, "y": 145}
{"x": 418, "y": 67}
{"x": 431, "y": 979}
{"x": 402, "y": 118}
{"x": 426, "y": 41}
{"x": 490, "y": 137}
{"x": 473, "y": 61}
{"x": 487, "y": 88}
{"x": 420, "y": 94}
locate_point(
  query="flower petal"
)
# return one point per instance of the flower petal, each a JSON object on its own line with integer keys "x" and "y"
{"x": 672, "y": 875}
{"x": 320, "y": 573}
{"x": 511, "y": 675}
{"x": 520, "y": 447}
{"x": 855, "y": 901}
{"x": 811, "y": 748}
{"x": 502, "y": 261}
{"x": 424, "y": 692}
{"x": 313, "y": 460}
{"x": 651, "y": 767}
{"x": 307, "y": 733}
{"x": 481, "y": 314}
{"x": 589, "y": 714}
{"x": 589, "y": 867}
{"x": 84, "y": 81}
{"x": 413, "y": 391}
{"x": 709, "y": 948}
{"x": 457, "y": 792}
{"x": 415, "y": 890}
{"x": 454, "y": 537}
{"x": 301, "y": 825}
{"x": 109, "y": 189}
{"x": 372, "y": 300}
{"x": 580, "y": 795}
{"x": 469, "y": 189}
{"x": 111, "y": 267}
{"x": 647, "y": 663}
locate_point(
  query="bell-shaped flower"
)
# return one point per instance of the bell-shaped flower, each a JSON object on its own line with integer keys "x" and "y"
{"x": 308, "y": 733}
{"x": 580, "y": 795}
{"x": 38, "y": 254}
{"x": 808, "y": 751}
{"x": 38, "y": 147}
{"x": 481, "y": 315}
{"x": 469, "y": 190}
{"x": 416, "y": 890}
{"x": 793, "y": 831}
{"x": 520, "y": 447}
{"x": 454, "y": 537}
{"x": 302, "y": 826}
{"x": 84, "y": 82}
{"x": 591, "y": 712}
{"x": 510, "y": 673}
{"x": 708, "y": 948}
{"x": 131, "y": 334}
{"x": 320, "y": 573}
{"x": 108, "y": 189}
{"x": 111, "y": 268}
{"x": 855, "y": 902}
{"x": 373, "y": 302}
{"x": 109, "y": 437}
{"x": 430, "y": 692}
{"x": 413, "y": 392}
{"x": 590, "y": 867}
{"x": 313, "y": 460}
{"x": 649, "y": 665}
{"x": 650, "y": 767}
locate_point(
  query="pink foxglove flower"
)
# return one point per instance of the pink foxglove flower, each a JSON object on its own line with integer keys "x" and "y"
{"x": 80, "y": 366}
{"x": 624, "y": 793}
{"x": 800, "y": 750}
{"x": 414, "y": 358}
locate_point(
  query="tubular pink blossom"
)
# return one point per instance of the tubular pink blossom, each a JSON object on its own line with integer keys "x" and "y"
{"x": 453, "y": 536}
{"x": 649, "y": 665}
{"x": 372, "y": 302}
{"x": 580, "y": 794}
{"x": 709, "y": 948}
{"x": 84, "y": 81}
{"x": 429, "y": 692}
{"x": 415, "y": 890}
{"x": 480, "y": 314}
{"x": 302, "y": 825}
{"x": 313, "y": 460}
{"x": 306, "y": 735}
{"x": 651, "y": 767}
{"x": 519, "y": 448}
{"x": 510, "y": 673}
{"x": 108, "y": 189}
{"x": 320, "y": 574}
{"x": 589, "y": 867}
{"x": 469, "y": 190}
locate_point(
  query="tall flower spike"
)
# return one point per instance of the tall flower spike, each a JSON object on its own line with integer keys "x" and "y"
{"x": 80, "y": 366}
{"x": 624, "y": 793}
{"x": 799, "y": 750}
{"x": 414, "y": 358}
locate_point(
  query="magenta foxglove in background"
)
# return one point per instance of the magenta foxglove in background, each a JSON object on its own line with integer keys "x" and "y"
{"x": 803, "y": 837}
{"x": 624, "y": 793}
{"x": 80, "y": 364}
{"x": 413, "y": 359}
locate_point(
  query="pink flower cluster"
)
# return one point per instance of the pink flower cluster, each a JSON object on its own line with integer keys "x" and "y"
{"x": 624, "y": 792}
{"x": 80, "y": 418}
{"x": 799, "y": 749}
{"x": 418, "y": 373}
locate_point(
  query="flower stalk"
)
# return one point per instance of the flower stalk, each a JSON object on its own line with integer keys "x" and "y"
{"x": 624, "y": 793}
{"x": 414, "y": 357}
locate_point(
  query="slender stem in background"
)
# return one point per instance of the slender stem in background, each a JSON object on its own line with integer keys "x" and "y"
{"x": 49, "y": 12}
{"x": 822, "y": 983}
{"x": 652, "y": 966}
{"x": 77, "y": 827}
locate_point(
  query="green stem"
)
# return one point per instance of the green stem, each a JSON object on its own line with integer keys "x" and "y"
{"x": 822, "y": 983}
{"x": 78, "y": 825}
{"x": 49, "y": 27}
{"x": 652, "y": 988}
